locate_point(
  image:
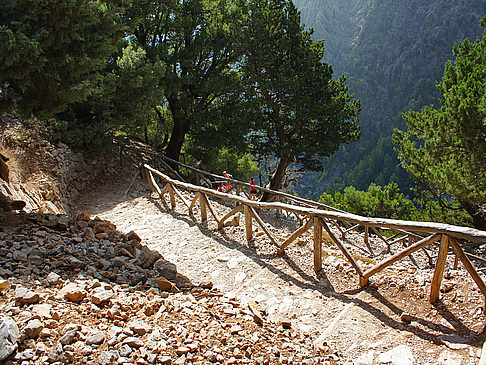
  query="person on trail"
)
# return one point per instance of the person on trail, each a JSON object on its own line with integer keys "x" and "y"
{"x": 228, "y": 184}
{"x": 253, "y": 191}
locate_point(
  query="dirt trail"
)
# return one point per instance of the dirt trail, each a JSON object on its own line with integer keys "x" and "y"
{"x": 363, "y": 326}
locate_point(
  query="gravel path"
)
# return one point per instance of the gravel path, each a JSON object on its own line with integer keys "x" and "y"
{"x": 361, "y": 326}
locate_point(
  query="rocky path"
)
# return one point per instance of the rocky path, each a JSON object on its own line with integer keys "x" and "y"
{"x": 361, "y": 327}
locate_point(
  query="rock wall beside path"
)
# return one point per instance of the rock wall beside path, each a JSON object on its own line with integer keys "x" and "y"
{"x": 49, "y": 177}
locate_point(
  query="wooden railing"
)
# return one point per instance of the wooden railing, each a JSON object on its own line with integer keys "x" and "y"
{"x": 238, "y": 186}
{"x": 418, "y": 235}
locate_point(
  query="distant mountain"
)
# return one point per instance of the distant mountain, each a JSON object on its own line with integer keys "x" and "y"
{"x": 392, "y": 53}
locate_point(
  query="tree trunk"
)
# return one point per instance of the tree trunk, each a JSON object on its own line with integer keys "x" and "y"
{"x": 177, "y": 137}
{"x": 4, "y": 172}
{"x": 277, "y": 178}
{"x": 478, "y": 215}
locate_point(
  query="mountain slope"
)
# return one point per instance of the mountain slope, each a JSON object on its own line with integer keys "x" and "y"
{"x": 392, "y": 55}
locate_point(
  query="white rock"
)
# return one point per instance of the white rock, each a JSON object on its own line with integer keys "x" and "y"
{"x": 43, "y": 310}
{"x": 446, "y": 357}
{"x": 33, "y": 328}
{"x": 73, "y": 292}
{"x": 365, "y": 359}
{"x": 9, "y": 334}
{"x": 239, "y": 277}
{"x": 53, "y": 279}
{"x": 233, "y": 262}
{"x": 133, "y": 342}
{"x": 139, "y": 327}
{"x": 102, "y": 296}
{"x": 400, "y": 355}
{"x": 95, "y": 338}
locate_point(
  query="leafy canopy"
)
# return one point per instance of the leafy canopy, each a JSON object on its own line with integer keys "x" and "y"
{"x": 198, "y": 41}
{"x": 301, "y": 113}
{"x": 50, "y": 52}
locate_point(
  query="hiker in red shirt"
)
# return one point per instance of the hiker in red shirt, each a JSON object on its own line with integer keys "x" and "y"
{"x": 253, "y": 191}
{"x": 227, "y": 186}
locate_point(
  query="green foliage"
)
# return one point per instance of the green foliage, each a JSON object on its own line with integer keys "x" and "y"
{"x": 392, "y": 54}
{"x": 51, "y": 52}
{"x": 199, "y": 44}
{"x": 444, "y": 149}
{"x": 301, "y": 113}
{"x": 389, "y": 202}
{"x": 377, "y": 201}
{"x": 241, "y": 167}
{"x": 121, "y": 102}
{"x": 137, "y": 96}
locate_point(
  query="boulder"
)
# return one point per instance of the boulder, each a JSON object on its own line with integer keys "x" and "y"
{"x": 73, "y": 292}
{"x": 53, "y": 279}
{"x": 103, "y": 227}
{"x": 163, "y": 284}
{"x": 25, "y": 296}
{"x": 166, "y": 269}
{"x": 102, "y": 296}
{"x": 83, "y": 217}
{"x": 69, "y": 337}
{"x": 133, "y": 342}
{"x": 147, "y": 257}
{"x": 9, "y": 334}
{"x": 139, "y": 327}
{"x": 33, "y": 328}
{"x": 95, "y": 338}
{"x": 4, "y": 284}
{"x": 132, "y": 235}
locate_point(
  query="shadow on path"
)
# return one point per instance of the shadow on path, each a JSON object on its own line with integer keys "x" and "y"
{"x": 322, "y": 284}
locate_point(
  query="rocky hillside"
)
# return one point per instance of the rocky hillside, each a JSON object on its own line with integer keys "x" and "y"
{"x": 47, "y": 176}
{"x": 79, "y": 291}
{"x": 161, "y": 288}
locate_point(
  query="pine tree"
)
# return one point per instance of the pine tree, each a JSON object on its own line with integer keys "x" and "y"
{"x": 444, "y": 149}
{"x": 50, "y": 52}
{"x": 302, "y": 113}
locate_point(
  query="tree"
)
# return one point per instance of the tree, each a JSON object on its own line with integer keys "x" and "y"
{"x": 198, "y": 42}
{"x": 125, "y": 99}
{"x": 302, "y": 113}
{"x": 50, "y": 52}
{"x": 444, "y": 149}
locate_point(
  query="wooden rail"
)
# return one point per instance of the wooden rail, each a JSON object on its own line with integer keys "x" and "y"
{"x": 320, "y": 219}
{"x": 279, "y": 196}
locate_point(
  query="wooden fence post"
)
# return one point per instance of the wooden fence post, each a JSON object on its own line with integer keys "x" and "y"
{"x": 366, "y": 240}
{"x": 439, "y": 269}
{"x": 468, "y": 265}
{"x": 277, "y": 211}
{"x": 202, "y": 204}
{"x": 148, "y": 174}
{"x": 248, "y": 223}
{"x": 172, "y": 197}
{"x": 317, "y": 244}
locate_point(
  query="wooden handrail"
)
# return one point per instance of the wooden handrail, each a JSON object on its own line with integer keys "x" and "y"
{"x": 466, "y": 233}
{"x": 222, "y": 178}
{"x": 317, "y": 218}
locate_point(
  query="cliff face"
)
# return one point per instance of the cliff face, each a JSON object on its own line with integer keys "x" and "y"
{"x": 392, "y": 54}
